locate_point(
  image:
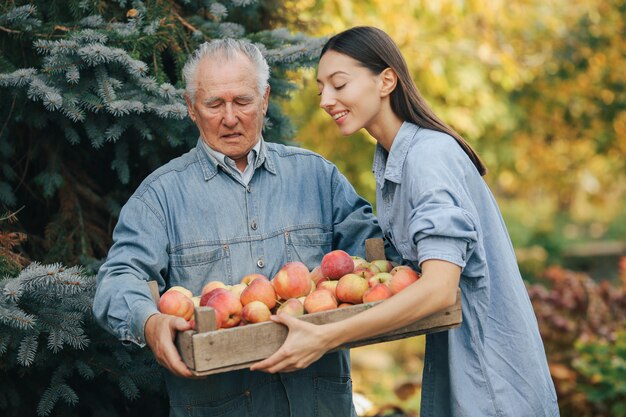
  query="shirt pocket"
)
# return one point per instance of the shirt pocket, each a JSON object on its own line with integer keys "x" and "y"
{"x": 308, "y": 246}
{"x": 192, "y": 266}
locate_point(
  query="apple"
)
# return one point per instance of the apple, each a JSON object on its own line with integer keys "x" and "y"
{"x": 259, "y": 290}
{"x": 376, "y": 293}
{"x": 320, "y": 300}
{"x": 247, "y": 279}
{"x": 402, "y": 278}
{"x": 351, "y": 288}
{"x": 237, "y": 289}
{"x": 358, "y": 261}
{"x": 176, "y": 303}
{"x": 255, "y": 312}
{"x": 292, "y": 306}
{"x": 209, "y": 286}
{"x": 292, "y": 280}
{"x": 196, "y": 301}
{"x": 330, "y": 285}
{"x": 226, "y": 305}
{"x": 182, "y": 290}
{"x": 316, "y": 274}
{"x": 366, "y": 270}
{"x": 383, "y": 265}
{"x": 336, "y": 264}
{"x": 342, "y": 305}
{"x": 380, "y": 278}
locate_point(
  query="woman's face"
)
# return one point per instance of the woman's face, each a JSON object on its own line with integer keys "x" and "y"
{"x": 349, "y": 92}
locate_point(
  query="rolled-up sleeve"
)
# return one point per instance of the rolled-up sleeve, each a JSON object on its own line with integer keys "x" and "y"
{"x": 353, "y": 219}
{"x": 123, "y": 302}
{"x": 441, "y": 229}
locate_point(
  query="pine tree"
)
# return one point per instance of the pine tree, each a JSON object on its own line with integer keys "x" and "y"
{"x": 90, "y": 103}
{"x": 55, "y": 357}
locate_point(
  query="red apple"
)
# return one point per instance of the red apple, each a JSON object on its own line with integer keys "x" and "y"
{"x": 210, "y": 286}
{"x": 320, "y": 300}
{"x": 176, "y": 303}
{"x": 316, "y": 274}
{"x": 402, "y": 277}
{"x": 259, "y": 290}
{"x": 293, "y": 307}
{"x": 255, "y": 312}
{"x": 292, "y": 280}
{"x": 376, "y": 293}
{"x": 247, "y": 279}
{"x": 227, "y": 307}
{"x": 380, "y": 278}
{"x": 366, "y": 270}
{"x": 351, "y": 288}
{"x": 336, "y": 264}
{"x": 182, "y": 290}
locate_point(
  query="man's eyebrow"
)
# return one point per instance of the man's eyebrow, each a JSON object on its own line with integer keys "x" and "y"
{"x": 211, "y": 100}
{"x": 339, "y": 72}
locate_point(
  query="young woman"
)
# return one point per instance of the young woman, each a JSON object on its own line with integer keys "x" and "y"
{"x": 436, "y": 209}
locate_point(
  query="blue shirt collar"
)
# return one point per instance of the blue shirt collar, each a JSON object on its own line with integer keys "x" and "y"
{"x": 388, "y": 165}
{"x": 210, "y": 159}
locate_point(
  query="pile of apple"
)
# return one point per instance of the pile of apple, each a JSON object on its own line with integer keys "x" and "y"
{"x": 340, "y": 280}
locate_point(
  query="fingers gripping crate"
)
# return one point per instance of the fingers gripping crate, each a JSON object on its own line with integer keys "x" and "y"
{"x": 207, "y": 351}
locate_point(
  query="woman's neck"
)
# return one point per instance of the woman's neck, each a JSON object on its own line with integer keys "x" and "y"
{"x": 385, "y": 128}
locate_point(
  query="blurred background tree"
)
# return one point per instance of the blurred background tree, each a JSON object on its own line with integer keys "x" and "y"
{"x": 537, "y": 87}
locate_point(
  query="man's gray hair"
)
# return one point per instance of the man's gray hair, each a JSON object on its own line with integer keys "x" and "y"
{"x": 224, "y": 50}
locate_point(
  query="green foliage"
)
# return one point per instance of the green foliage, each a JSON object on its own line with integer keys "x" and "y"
{"x": 603, "y": 363}
{"x": 54, "y": 357}
{"x": 582, "y": 325}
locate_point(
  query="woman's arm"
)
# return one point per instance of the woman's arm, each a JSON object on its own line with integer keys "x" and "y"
{"x": 306, "y": 342}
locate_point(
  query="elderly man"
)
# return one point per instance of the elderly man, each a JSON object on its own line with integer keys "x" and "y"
{"x": 232, "y": 206}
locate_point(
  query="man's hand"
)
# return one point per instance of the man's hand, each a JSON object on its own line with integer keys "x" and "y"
{"x": 160, "y": 331}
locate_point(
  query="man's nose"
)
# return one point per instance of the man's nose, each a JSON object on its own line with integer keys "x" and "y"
{"x": 229, "y": 119}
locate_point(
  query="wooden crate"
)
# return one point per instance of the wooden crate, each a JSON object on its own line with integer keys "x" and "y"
{"x": 208, "y": 351}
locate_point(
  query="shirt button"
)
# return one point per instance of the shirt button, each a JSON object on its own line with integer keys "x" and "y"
{"x": 253, "y": 225}
{"x": 260, "y": 263}
{"x": 249, "y": 189}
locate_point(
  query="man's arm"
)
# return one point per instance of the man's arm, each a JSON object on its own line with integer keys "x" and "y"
{"x": 123, "y": 304}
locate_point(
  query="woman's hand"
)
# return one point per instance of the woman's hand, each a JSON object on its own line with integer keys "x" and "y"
{"x": 305, "y": 344}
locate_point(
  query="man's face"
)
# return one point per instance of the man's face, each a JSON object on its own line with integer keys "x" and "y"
{"x": 228, "y": 108}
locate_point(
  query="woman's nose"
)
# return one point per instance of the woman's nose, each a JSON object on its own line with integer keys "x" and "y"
{"x": 326, "y": 100}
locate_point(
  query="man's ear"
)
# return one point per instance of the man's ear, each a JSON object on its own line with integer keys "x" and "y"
{"x": 389, "y": 80}
{"x": 190, "y": 109}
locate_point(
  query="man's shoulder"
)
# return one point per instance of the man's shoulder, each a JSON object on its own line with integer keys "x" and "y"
{"x": 295, "y": 153}
{"x": 169, "y": 171}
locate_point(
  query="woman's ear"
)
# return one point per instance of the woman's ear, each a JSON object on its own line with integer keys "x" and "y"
{"x": 389, "y": 80}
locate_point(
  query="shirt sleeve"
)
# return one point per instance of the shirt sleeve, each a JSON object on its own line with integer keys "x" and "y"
{"x": 441, "y": 229}
{"x": 123, "y": 302}
{"x": 353, "y": 217}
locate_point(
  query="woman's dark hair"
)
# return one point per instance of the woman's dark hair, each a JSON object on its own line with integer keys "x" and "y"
{"x": 376, "y": 51}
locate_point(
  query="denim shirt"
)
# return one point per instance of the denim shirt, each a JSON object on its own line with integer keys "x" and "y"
{"x": 192, "y": 221}
{"x": 433, "y": 204}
